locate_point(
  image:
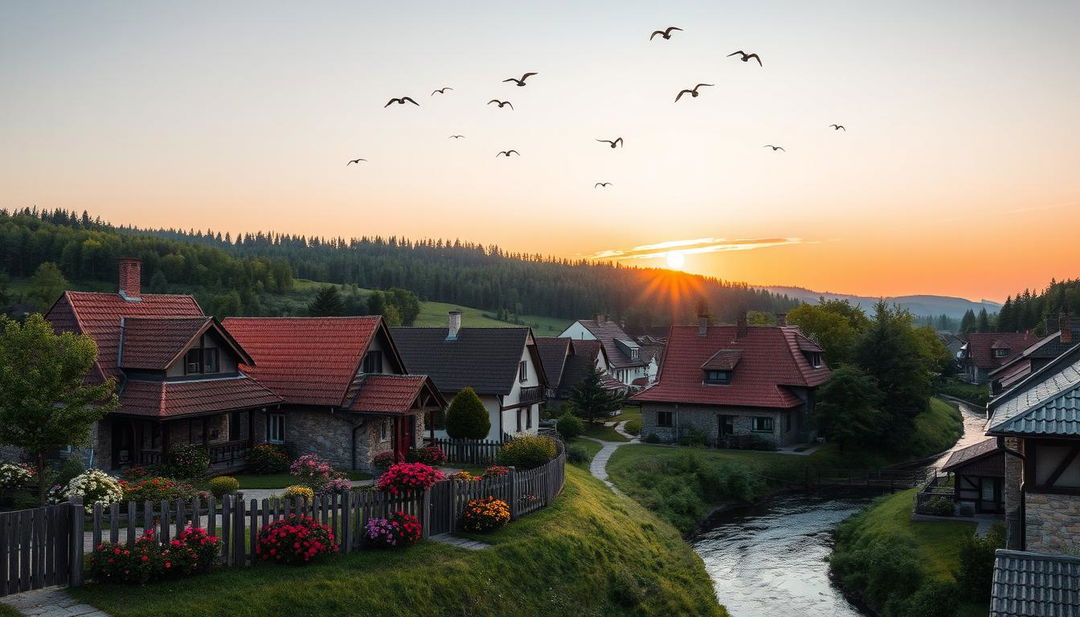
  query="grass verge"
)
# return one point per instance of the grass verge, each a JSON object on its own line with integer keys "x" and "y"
{"x": 591, "y": 553}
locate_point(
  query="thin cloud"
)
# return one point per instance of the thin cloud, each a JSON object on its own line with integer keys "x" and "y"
{"x": 695, "y": 246}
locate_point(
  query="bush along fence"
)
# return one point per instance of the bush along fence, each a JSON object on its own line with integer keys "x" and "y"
{"x": 48, "y": 546}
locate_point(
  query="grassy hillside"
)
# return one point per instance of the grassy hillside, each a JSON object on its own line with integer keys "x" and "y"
{"x": 592, "y": 553}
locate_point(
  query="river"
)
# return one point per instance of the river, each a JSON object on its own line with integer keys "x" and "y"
{"x": 769, "y": 559}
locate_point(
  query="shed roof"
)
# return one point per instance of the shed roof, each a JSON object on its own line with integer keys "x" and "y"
{"x": 970, "y": 454}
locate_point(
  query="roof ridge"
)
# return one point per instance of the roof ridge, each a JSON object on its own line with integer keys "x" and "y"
{"x": 1008, "y": 552}
{"x": 1040, "y": 403}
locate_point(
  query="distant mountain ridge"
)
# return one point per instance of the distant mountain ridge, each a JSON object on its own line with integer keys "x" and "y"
{"x": 919, "y": 305}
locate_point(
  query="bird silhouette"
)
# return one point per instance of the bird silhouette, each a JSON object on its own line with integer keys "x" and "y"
{"x": 400, "y": 101}
{"x": 507, "y": 153}
{"x": 746, "y": 57}
{"x": 692, "y": 92}
{"x": 457, "y": 137}
{"x": 520, "y": 82}
{"x": 357, "y": 161}
{"x": 441, "y": 90}
{"x": 774, "y": 148}
{"x": 618, "y": 142}
{"x": 664, "y": 33}
{"x": 599, "y": 184}
{"x": 500, "y": 103}
{"x": 837, "y": 127}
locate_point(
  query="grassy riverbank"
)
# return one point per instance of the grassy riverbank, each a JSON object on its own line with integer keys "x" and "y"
{"x": 899, "y": 567}
{"x": 591, "y": 553}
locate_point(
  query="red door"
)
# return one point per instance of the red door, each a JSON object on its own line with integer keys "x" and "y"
{"x": 404, "y": 435}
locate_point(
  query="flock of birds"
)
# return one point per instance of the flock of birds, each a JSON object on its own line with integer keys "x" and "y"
{"x": 665, "y": 34}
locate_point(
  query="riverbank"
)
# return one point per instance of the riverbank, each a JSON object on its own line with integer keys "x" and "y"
{"x": 591, "y": 553}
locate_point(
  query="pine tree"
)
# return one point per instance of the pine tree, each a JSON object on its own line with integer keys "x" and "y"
{"x": 327, "y": 303}
{"x": 982, "y": 323}
{"x": 967, "y": 322}
{"x": 590, "y": 400}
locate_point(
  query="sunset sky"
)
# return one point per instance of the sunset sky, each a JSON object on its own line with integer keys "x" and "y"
{"x": 959, "y": 173}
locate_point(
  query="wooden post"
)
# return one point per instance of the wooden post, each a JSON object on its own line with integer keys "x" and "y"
{"x": 426, "y": 514}
{"x": 238, "y": 533}
{"x": 346, "y": 522}
{"x": 78, "y": 515}
{"x": 226, "y": 529}
{"x": 515, "y": 499}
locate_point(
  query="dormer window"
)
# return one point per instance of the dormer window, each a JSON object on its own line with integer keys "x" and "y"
{"x": 1001, "y": 352}
{"x": 200, "y": 361}
{"x": 721, "y": 378}
{"x": 373, "y": 362}
{"x": 814, "y": 358}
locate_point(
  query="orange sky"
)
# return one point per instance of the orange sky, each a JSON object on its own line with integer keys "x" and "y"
{"x": 957, "y": 174}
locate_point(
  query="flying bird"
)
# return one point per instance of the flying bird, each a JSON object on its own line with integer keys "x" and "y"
{"x": 665, "y": 33}
{"x": 457, "y": 137}
{"x": 774, "y": 148}
{"x": 500, "y": 103}
{"x": 441, "y": 90}
{"x": 520, "y": 82}
{"x": 692, "y": 92}
{"x": 400, "y": 101}
{"x": 618, "y": 142}
{"x": 837, "y": 127}
{"x": 507, "y": 153}
{"x": 746, "y": 57}
{"x": 599, "y": 184}
{"x": 357, "y": 161}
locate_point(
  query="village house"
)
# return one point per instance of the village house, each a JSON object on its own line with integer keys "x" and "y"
{"x": 984, "y": 352}
{"x": 178, "y": 372}
{"x": 978, "y": 473}
{"x": 567, "y": 362}
{"x": 1064, "y": 337}
{"x": 502, "y": 365}
{"x": 735, "y": 386}
{"x": 625, "y": 360}
{"x": 346, "y": 394}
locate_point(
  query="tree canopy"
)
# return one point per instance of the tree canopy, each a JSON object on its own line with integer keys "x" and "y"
{"x": 590, "y": 400}
{"x": 835, "y": 324}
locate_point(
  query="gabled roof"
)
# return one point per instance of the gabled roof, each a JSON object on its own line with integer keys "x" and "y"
{"x": 170, "y": 399}
{"x": 972, "y": 453}
{"x": 98, "y": 315}
{"x": 608, "y": 332}
{"x": 579, "y": 365}
{"x": 155, "y": 343}
{"x": 553, "y": 353}
{"x": 1035, "y": 585}
{"x": 1046, "y": 348}
{"x": 306, "y": 360}
{"x": 485, "y": 359}
{"x": 981, "y": 346}
{"x": 770, "y": 361}
{"x": 1045, "y": 403}
{"x": 395, "y": 394}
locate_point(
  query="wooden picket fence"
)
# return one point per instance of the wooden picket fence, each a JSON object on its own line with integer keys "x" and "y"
{"x": 473, "y": 452}
{"x": 46, "y": 546}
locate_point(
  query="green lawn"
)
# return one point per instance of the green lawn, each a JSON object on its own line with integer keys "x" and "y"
{"x": 590, "y": 553}
{"x": 599, "y": 431}
{"x": 435, "y": 314}
{"x": 629, "y": 412}
{"x": 937, "y": 429}
{"x": 282, "y": 480}
{"x": 590, "y": 446}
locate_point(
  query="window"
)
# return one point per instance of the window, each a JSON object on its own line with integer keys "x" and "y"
{"x": 815, "y": 359}
{"x": 384, "y": 430}
{"x": 210, "y": 360}
{"x": 1001, "y": 353}
{"x": 373, "y": 362}
{"x": 762, "y": 424}
{"x": 275, "y": 428}
{"x": 718, "y": 377}
{"x": 665, "y": 418}
{"x": 198, "y": 361}
{"x": 523, "y": 372}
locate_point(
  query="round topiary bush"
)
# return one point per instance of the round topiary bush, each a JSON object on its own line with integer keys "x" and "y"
{"x": 223, "y": 485}
{"x": 466, "y": 418}
{"x": 569, "y": 426}
{"x": 528, "y": 452}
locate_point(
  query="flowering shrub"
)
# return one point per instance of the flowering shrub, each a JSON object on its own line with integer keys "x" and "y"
{"x": 155, "y": 489}
{"x": 13, "y": 475}
{"x": 192, "y": 552}
{"x": 399, "y": 529}
{"x": 464, "y": 476}
{"x": 496, "y": 471}
{"x": 295, "y": 539}
{"x": 135, "y": 473}
{"x": 313, "y": 471}
{"x": 340, "y": 486}
{"x": 187, "y": 461}
{"x": 430, "y": 455}
{"x": 528, "y": 451}
{"x": 302, "y": 492}
{"x": 92, "y": 485}
{"x": 383, "y": 460}
{"x": 267, "y": 458}
{"x": 223, "y": 485}
{"x": 485, "y": 514}
{"x": 116, "y": 563}
{"x": 405, "y": 477}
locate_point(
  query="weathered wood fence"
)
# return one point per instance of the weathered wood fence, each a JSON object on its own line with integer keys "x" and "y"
{"x": 468, "y": 451}
{"x": 46, "y": 546}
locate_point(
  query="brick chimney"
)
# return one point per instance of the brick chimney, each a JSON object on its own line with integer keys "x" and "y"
{"x": 455, "y": 325}
{"x": 130, "y": 287}
{"x": 1065, "y": 325}
{"x": 599, "y": 318}
{"x": 741, "y": 325}
{"x": 702, "y": 324}
{"x": 781, "y": 319}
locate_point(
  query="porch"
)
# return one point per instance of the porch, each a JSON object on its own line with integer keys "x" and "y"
{"x": 228, "y": 438}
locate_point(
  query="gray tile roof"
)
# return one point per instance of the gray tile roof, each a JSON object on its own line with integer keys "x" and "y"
{"x": 1047, "y": 404}
{"x": 553, "y": 353}
{"x": 607, "y": 332}
{"x": 484, "y": 358}
{"x": 1035, "y": 585}
{"x": 970, "y": 453}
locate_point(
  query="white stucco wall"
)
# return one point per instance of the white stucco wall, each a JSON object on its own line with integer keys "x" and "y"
{"x": 577, "y": 331}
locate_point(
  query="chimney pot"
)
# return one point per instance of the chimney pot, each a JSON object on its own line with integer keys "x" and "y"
{"x": 130, "y": 279}
{"x": 741, "y": 326}
{"x": 455, "y": 326}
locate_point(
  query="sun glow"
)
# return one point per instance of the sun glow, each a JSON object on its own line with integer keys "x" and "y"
{"x": 675, "y": 260}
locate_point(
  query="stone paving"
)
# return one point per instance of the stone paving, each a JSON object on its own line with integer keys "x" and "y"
{"x": 465, "y": 543}
{"x": 51, "y": 602}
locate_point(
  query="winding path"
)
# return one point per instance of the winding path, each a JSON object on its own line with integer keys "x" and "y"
{"x": 598, "y": 466}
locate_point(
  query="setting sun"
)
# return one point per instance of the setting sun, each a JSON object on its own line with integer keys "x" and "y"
{"x": 675, "y": 260}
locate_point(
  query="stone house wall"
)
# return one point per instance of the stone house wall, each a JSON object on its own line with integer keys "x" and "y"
{"x": 330, "y": 435}
{"x": 1013, "y": 493}
{"x": 705, "y": 419}
{"x": 1053, "y": 523}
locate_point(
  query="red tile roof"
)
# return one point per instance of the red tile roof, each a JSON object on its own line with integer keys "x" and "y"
{"x": 771, "y": 360}
{"x": 167, "y": 399}
{"x": 306, "y": 360}
{"x": 394, "y": 394}
{"x": 723, "y": 360}
{"x": 154, "y": 342}
{"x": 98, "y": 315}
{"x": 981, "y": 346}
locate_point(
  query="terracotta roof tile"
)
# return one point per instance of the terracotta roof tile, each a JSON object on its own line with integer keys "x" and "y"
{"x": 154, "y": 342}
{"x": 393, "y": 393}
{"x": 981, "y": 346}
{"x": 163, "y": 399}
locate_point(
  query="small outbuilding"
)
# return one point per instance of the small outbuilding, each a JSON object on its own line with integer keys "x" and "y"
{"x": 978, "y": 476}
